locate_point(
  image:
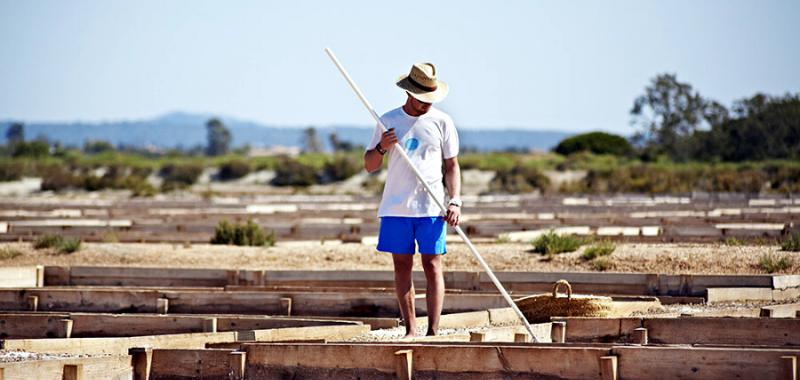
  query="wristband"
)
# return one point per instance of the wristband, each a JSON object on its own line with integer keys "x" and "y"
{"x": 379, "y": 149}
{"x": 456, "y": 202}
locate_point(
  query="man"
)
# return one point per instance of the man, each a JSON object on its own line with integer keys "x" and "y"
{"x": 407, "y": 212}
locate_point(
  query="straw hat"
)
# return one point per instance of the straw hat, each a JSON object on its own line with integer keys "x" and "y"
{"x": 421, "y": 83}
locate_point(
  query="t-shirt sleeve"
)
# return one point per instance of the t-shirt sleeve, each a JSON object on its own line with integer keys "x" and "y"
{"x": 450, "y": 142}
{"x": 376, "y": 138}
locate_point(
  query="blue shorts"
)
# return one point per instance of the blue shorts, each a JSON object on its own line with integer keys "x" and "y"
{"x": 397, "y": 235}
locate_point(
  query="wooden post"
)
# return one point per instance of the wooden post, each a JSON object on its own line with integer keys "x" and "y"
{"x": 640, "y": 335}
{"x": 789, "y": 367}
{"x": 521, "y": 338}
{"x": 237, "y": 365}
{"x": 39, "y": 276}
{"x": 259, "y": 277}
{"x": 65, "y": 329}
{"x": 210, "y": 325}
{"x": 33, "y": 303}
{"x": 162, "y": 306}
{"x": 558, "y": 331}
{"x": 72, "y": 372}
{"x": 477, "y": 336}
{"x": 233, "y": 277}
{"x": 141, "y": 359}
{"x": 403, "y": 361}
{"x": 608, "y": 367}
{"x": 1, "y": 374}
{"x": 286, "y": 306}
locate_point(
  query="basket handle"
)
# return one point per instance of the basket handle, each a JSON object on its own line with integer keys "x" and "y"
{"x": 566, "y": 284}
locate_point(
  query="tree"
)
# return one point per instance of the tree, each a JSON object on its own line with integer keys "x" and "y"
{"x": 15, "y": 134}
{"x": 595, "y": 142}
{"x": 669, "y": 113}
{"x": 219, "y": 138}
{"x": 311, "y": 141}
{"x": 767, "y": 127}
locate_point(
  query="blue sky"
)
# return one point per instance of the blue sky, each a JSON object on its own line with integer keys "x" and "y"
{"x": 558, "y": 65}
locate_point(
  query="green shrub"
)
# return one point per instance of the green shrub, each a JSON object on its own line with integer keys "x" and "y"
{"x": 47, "y": 241}
{"x": 69, "y": 245}
{"x": 598, "y": 250}
{"x": 519, "y": 179}
{"x": 180, "y": 176}
{"x": 7, "y": 253}
{"x": 341, "y": 167}
{"x": 792, "y": 244}
{"x": 57, "y": 178}
{"x": 242, "y": 234}
{"x": 771, "y": 263}
{"x": 11, "y": 170}
{"x": 138, "y": 186}
{"x": 234, "y": 169}
{"x": 601, "y": 264}
{"x": 291, "y": 172}
{"x": 551, "y": 244}
{"x": 595, "y": 142}
{"x": 35, "y": 149}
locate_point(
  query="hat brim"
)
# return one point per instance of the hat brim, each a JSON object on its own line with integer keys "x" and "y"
{"x": 422, "y": 94}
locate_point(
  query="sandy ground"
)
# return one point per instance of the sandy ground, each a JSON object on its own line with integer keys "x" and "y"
{"x": 651, "y": 258}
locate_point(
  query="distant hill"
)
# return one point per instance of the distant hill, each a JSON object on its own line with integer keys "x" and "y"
{"x": 187, "y": 130}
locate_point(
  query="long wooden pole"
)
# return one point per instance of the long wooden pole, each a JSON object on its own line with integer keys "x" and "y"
{"x": 431, "y": 193}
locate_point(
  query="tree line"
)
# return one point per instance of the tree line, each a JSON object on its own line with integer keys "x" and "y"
{"x": 675, "y": 121}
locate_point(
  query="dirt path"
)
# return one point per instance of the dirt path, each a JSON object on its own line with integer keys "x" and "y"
{"x": 653, "y": 258}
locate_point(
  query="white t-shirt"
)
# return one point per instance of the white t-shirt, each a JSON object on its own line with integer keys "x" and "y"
{"x": 428, "y": 139}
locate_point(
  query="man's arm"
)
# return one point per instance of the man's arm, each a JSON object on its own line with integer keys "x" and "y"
{"x": 373, "y": 159}
{"x": 452, "y": 179}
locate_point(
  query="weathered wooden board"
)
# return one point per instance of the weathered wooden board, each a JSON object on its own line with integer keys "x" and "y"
{"x": 20, "y": 277}
{"x": 740, "y": 331}
{"x": 788, "y": 310}
{"x": 647, "y": 363}
{"x": 377, "y": 361}
{"x": 120, "y": 346}
{"x": 110, "y": 367}
{"x": 211, "y": 364}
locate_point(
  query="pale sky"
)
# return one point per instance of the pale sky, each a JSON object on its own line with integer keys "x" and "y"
{"x": 558, "y": 65}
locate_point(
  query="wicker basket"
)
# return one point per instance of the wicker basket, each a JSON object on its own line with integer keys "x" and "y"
{"x": 541, "y": 307}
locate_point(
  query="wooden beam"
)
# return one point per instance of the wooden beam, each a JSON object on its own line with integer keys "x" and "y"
{"x": 19, "y": 277}
{"x": 714, "y": 295}
{"x": 110, "y": 367}
{"x": 740, "y": 331}
{"x": 789, "y": 310}
{"x": 447, "y": 361}
{"x": 209, "y": 363}
{"x": 120, "y": 346}
{"x": 640, "y": 362}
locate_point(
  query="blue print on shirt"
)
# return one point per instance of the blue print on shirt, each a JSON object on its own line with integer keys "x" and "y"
{"x": 412, "y": 144}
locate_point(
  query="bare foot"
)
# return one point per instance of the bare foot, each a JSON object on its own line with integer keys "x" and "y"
{"x": 431, "y": 333}
{"x": 409, "y": 336}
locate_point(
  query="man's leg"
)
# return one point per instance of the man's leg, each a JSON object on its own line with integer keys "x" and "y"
{"x": 404, "y": 287}
{"x": 434, "y": 274}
